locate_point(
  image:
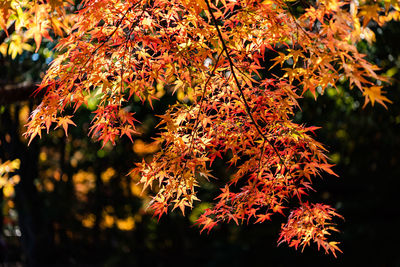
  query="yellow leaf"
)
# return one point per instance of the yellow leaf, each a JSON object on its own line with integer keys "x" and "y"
{"x": 373, "y": 94}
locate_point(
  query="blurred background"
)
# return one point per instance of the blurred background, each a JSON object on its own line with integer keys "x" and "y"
{"x": 66, "y": 201}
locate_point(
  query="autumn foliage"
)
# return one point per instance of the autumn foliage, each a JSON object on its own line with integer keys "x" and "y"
{"x": 231, "y": 106}
{"x": 32, "y": 19}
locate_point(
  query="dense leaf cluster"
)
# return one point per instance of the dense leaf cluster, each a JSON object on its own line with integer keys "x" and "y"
{"x": 213, "y": 54}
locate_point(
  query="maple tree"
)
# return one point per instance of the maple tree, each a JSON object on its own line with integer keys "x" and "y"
{"x": 231, "y": 105}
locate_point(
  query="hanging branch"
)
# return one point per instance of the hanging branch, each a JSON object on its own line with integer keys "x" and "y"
{"x": 231, "y": 66}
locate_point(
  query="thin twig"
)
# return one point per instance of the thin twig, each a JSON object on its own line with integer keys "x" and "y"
{"x": 7, "y": 32}
{"x": 111, "y": 35}
{"x": 202, "y": 101}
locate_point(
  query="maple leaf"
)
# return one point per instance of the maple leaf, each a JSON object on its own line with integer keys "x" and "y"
{"x": 368, "y": 13}
{"x": 64, "y": 121}
{"x": 374, "y": 93}
{"x": 128, "y": 131}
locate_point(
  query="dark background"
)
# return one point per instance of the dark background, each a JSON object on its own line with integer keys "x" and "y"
{"x": 49, "y": 221}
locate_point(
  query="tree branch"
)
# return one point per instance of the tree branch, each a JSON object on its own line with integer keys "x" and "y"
{"x": 11, "y": 93}
{"x": 5, "y": 34}
{"x": 246, "y": 104}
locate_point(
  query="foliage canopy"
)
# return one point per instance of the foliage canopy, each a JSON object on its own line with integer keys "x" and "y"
{"x": 231, "y": 103}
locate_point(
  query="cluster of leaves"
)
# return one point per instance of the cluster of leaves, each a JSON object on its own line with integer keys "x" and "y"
{"x": 7, "y": 182}
{"x": 23, "y": 20}
{"x": 310, "y": 222}
{"x": 214, "y": 53}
